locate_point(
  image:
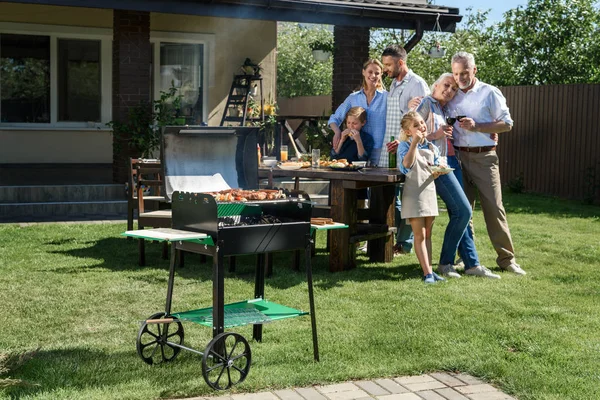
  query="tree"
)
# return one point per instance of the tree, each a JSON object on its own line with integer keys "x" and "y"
{"x": 473, "y": 36}
{"x": 298, "y": 74}
{"x": 553, "y": 41}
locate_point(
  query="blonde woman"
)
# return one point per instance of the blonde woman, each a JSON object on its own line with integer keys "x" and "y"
{"x": 373, "y": 98}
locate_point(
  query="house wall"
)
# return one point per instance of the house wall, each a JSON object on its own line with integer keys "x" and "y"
{"x": 234, "y": 40}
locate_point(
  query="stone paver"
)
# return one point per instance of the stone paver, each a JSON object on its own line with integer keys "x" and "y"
{"x": 433, "y": 386}
{"x": 468, "y": 379}
{"x": 391, "y": 386}
{"x": 372, "y": 388}
{"x": 310, "y": 394}
{"x": 400, "y": 396}
{"x": 430, "y": 395}
{"x": 484, "y": 387}
{"x": 288, "y": 394}
{"x": 490, "y": 396}
{"x": 447, "y": 379}
{"x": 417, "y": 387}
{"x": 451, "y": 394}
{"x": 408, "y": 380}
{"x": 338, "y": 387}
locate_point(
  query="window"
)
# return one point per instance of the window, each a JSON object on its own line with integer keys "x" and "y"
{"x": 24, "y": 78}
{"x": 79, "y": 94}
{"x": 182, "y": 61}
{"x": 53, "y": 76}
{"x": 181, "y": 66}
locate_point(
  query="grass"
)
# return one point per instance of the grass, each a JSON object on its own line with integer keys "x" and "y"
{"x": 76, "y": 293}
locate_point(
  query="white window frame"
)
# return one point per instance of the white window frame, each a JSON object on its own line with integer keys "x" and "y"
{"x": 56, "y": 32}
{"x": 205, "y": 39}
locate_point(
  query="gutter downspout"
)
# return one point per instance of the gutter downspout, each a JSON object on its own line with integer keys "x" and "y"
{"x": 416, "y": 38}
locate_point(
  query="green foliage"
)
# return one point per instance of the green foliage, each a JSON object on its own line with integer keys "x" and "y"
{"x": 298, "y": 74}
{"x": 142, "y": 129}
{"x": 553, "y": 41}
{"x": 473, "y": 36}
{"x": 319, "y": 137}
{"x": 324, "y": 45}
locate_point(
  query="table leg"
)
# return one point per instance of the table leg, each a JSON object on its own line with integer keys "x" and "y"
{"x": 382, "y": 212}
{"x": 342, "y": 254}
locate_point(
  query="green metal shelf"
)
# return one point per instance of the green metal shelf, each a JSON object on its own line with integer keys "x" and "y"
{"x": 256, "y": 311}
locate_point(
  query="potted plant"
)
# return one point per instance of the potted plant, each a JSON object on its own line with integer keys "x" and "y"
{"x": 437, "y": 51}
{"x": 251, "y": 68}
{"x": 321, "y": 49}
{"x": 142, "y": 129}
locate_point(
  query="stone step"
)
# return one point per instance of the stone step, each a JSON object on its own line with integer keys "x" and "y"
{"x": 63, "y": 211}
{"x": 40, "y": 203}
{"x": 61, "y": 193}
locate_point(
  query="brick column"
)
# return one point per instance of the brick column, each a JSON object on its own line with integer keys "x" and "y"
{"x": 131, "y": 77}
{"x": 351, "y": 51}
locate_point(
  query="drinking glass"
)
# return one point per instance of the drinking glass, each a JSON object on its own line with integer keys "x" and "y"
{"x": 284, "y": 153}
{"x": 315, "y": 156}
{"x": 450, "y": 120}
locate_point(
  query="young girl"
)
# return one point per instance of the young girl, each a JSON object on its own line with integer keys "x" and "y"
{"x": 354, "y": 145}
{"x": 419, "y": 201}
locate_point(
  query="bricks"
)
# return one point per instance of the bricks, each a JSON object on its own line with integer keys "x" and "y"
{"x": 433, "y": 386}
{"x": 351, "y": 50}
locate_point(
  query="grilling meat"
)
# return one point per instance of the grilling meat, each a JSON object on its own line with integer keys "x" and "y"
{"x": 233, "y": 195}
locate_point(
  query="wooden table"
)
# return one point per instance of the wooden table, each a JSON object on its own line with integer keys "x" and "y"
{"x": 343, "y": 189}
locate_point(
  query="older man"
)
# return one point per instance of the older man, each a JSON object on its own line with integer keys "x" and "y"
{"x": 485, "y": 114}
{"x": 405, "y": 85}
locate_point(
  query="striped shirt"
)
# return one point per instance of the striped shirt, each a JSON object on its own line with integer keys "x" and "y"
{"x": 397, "y": 105}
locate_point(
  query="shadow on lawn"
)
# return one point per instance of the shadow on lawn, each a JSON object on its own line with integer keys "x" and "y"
{"x": 118, "y": 254}
{"x": 78, "y": 369}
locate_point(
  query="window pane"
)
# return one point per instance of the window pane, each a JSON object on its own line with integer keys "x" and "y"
{"x": 79, "y": 80}
{"x": 24, "y": 78}
{"x": 181, "y": 66}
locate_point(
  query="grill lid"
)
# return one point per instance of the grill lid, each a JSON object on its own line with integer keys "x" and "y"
{"x": 209, "y": 159}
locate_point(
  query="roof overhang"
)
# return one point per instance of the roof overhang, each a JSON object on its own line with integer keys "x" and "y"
{"x": 362, "y": 13}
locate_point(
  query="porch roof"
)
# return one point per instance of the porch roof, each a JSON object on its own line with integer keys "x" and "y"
{"x": 400, "y": 14}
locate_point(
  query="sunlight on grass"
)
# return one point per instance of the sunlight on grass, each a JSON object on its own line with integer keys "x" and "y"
{"x": 76, "y": 293}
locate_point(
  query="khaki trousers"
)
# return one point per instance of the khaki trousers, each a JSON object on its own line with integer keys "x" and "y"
{"x": 482, "y": 174}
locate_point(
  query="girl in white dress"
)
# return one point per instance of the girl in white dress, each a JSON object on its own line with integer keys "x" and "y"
{"x": 416, "y": 156}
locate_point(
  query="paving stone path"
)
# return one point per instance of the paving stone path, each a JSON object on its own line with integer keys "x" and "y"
{"x": 434, "y": 386}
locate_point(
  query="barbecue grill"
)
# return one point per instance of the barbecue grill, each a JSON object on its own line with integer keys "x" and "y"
{"x": 200, "y": 224}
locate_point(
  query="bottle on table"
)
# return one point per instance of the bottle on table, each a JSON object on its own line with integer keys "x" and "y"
{"x": 392, "y": 163}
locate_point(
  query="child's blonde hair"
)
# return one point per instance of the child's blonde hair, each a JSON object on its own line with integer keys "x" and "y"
{"x": 357, "y": 112}
{"x": 407, "y": 121}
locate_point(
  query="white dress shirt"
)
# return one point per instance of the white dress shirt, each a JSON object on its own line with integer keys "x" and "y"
{"x": 483, "y": 103}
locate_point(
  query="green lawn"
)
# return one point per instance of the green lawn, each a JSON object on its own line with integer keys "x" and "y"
{"x": 75, "y": 291}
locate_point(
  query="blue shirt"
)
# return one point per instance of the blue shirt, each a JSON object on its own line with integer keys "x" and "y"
{"x": 349, "y": 149}
{"x": 403, "y": 148}
{"x": 375, "y": 125}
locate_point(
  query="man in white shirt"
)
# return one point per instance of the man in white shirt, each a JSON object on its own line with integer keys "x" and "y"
{"x": 484, "y": 114}
{"x": 405, "y": 85}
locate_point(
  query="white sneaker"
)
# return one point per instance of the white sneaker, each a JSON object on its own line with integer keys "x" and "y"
{"x": 515, "y": 269}
{"x": 459, "y": 264}
{"x": 482, "y": 271}
{"x": 447, "y": 270}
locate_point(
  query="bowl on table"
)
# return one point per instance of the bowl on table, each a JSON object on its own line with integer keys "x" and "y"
{"x": 270, "y": 162}
{"x": 360, "y": 164}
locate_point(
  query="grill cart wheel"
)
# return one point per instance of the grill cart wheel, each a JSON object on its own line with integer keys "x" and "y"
{"x": 155, "y": 338}
{"x": 226, "y": 361}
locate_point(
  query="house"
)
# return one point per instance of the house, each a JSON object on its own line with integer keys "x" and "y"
{"x": 67, "y": 67}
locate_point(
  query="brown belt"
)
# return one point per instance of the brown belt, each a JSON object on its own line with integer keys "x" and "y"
{"x": 476, "y": 149}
